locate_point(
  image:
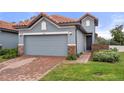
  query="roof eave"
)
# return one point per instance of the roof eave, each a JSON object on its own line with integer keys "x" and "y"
{"x": 8, "y": 30}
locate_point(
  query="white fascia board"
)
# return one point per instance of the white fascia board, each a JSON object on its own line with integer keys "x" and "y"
{"x": 48, "y": 33}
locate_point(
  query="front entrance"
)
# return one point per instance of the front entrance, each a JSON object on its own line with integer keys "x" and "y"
{"x": 89, "y": 42}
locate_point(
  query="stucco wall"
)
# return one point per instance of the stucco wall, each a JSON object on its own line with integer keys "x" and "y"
{"x": 8, "y": 40}
{"x": 90, "y": 28}
{"x": 81, "y": 42}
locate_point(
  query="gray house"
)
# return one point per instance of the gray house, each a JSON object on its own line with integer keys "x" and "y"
{"x": 8, "y": 35}
{"x": 56, "y": 35}
{"x": 53, "y": 35}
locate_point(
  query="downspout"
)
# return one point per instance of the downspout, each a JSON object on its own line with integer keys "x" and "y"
{"x": 76, "y": 38}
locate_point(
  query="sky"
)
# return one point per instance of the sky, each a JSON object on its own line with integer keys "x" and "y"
{"x": 107, "y": 20}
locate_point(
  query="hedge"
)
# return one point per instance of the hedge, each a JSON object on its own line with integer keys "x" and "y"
{"x": 106, "y": 56}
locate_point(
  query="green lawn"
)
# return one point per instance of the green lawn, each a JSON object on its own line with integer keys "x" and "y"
{"x": 89, "y": 71}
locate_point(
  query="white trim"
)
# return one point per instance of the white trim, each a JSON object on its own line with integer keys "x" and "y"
{"x": 88, "y": 18}
{"x": 43, "y": 25}
{"x": 48, "y": 21}
{"x": 20, "y": 44}
{"x": 71, "y": 44}
{"x": 88, "y": 23}
{"x": 47, "y": 33}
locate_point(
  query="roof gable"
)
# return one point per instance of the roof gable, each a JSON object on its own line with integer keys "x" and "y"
{"x": 91, "y": 16}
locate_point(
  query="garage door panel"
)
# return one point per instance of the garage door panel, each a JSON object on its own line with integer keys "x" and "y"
{"x": 46, "y": 45}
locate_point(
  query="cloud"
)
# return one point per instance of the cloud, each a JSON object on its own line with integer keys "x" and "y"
{"x": 106, "y": 34}
{"x": 116, "y": 19}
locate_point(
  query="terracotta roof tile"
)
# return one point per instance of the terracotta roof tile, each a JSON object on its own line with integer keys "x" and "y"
{"x": 6, "y": 25}
{"x": 62, "y": 19}
{"x": 55, "y": 18}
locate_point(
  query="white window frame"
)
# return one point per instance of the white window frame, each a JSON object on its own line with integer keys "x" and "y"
{"x": 43, "y": 25}
{"x": 88, "y": 22}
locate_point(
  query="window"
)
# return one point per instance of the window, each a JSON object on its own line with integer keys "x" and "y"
{"x": 43, "y": 26}
{"x": 87, "y": 22}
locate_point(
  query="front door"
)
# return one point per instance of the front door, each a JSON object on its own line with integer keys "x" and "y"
{"x": 89, "y": 42}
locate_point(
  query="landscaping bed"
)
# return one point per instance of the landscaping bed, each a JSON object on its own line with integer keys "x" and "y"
{"x": 6, "y": 54}
{"x": 90, "y": 71}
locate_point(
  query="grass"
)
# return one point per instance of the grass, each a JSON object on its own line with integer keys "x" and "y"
{"x": 94, "y": 71}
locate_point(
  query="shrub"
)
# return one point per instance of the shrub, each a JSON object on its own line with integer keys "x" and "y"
{"x": 71, "y": 57}
{"x": 114, "y": 49}
{"x": 106, "y": 56}
{"x": 8, "y": 53}
{"x": 3, "y": 51}
{"x": 79, "y": 54}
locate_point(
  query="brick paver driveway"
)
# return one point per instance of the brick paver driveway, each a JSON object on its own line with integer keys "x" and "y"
{"x": 27, "y": 68}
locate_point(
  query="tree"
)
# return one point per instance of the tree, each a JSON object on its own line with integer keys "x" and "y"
{"x": 101, "y": 40}
{"x": 118, "y": 35}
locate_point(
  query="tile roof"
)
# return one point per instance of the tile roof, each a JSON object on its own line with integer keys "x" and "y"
{"x": 58, "y": 19}
{"x": 62, "y": 19}
{"x": 6, "y": 25}
{"x": 55, "y": 18}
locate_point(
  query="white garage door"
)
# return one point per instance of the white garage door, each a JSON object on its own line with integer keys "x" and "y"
{"x": 49, "y": 45}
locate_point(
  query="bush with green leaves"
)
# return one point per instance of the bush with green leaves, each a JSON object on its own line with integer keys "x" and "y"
{"x": 106, "y": 56}
{"x": 71, "y": 57}
{"x": 8, "y": 53}
{"x": 79, "y": 54}
{"x": 4, "y": 51}
{"x": 114, "y": 49}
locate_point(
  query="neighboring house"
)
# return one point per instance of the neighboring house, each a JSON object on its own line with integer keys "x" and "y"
{"x": 8, "y": 35}
{"x": 53, "y": 35}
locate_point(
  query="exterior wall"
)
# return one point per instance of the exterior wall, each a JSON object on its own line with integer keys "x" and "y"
{"x": 50, "y": 28}
{"x": 20, "y": 50}
{"x": 81, "y": 42}
{"x": 84, "y": 45}
{"x": 89, "y": 29}
{"x": 8, "y": 40}
{"x": 71, "y": 49}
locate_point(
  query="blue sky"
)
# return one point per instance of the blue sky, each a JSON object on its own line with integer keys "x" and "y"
{"x": 107, "y": 20}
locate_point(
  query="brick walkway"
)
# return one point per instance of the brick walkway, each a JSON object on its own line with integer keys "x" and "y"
{"x": 27, "y": 68}
{"x": 84, "y": 58}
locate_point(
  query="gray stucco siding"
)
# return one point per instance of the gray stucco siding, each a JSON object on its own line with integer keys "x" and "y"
{"x": 8, "y": 40}
{"x": 48, "y": 45}
{"x": 50, "y": 28}
{"x": 84, "y": 40}
{"x": 81, "y": 42}
{"x": 90, "y": 28}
